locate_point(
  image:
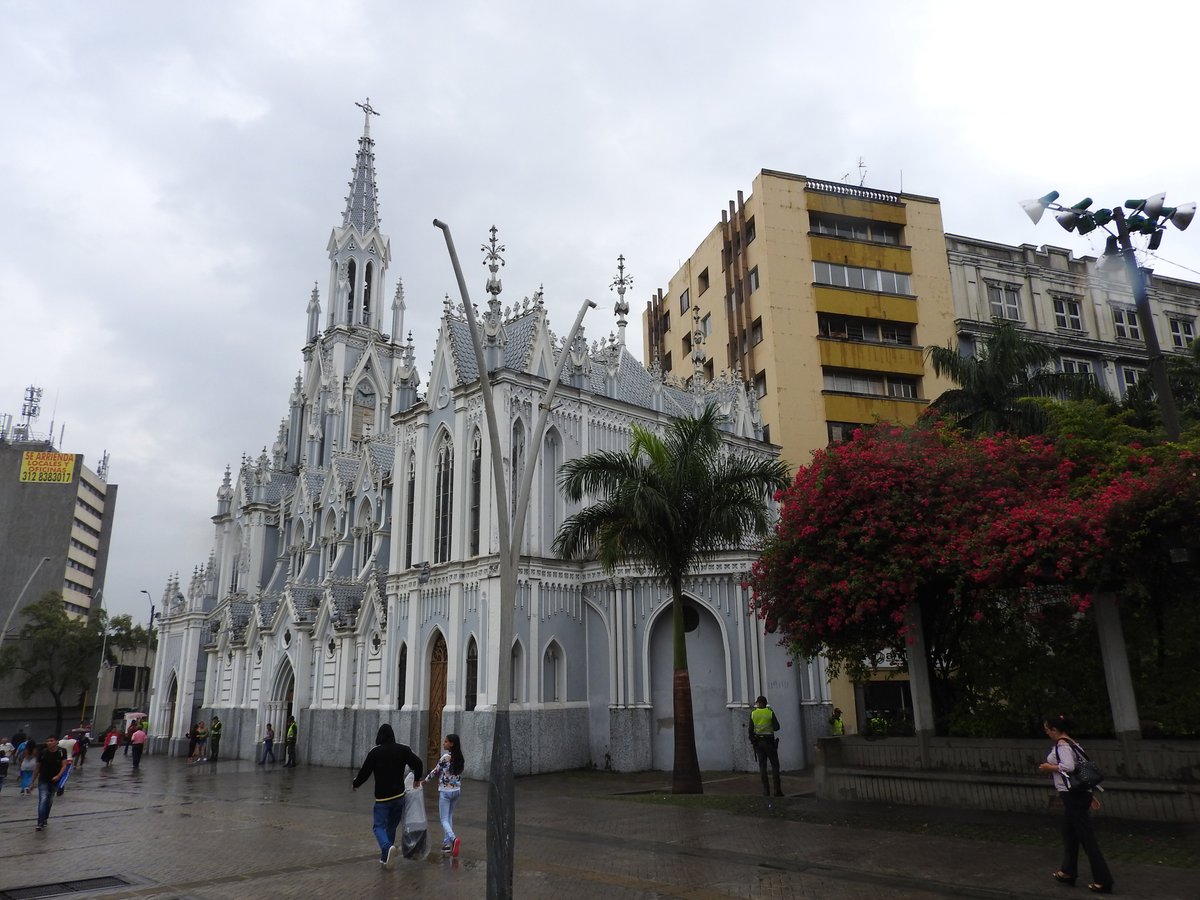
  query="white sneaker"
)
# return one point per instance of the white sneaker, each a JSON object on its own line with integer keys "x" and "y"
{"x": 391, "y": 857}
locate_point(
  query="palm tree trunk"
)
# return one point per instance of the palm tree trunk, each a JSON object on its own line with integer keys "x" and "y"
{"x": 685, "y": 778}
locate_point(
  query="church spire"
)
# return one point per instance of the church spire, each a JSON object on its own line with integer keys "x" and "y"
{"x": 362, "y": 204}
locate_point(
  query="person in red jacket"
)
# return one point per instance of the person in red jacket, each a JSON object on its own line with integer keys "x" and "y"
{"x": 386, "y": 762}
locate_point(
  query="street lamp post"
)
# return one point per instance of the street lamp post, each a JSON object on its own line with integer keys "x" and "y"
{"x": 146, "y": 658}
{"x": 1149, "y": 217}
{"x": 501, "y": 815}
{"x": 17, "y": 603}
{"x": 100, "y": 670}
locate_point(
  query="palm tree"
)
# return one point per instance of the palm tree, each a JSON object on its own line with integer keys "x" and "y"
{"x": 666, "y": 504}
{"x": 995, "y": 385}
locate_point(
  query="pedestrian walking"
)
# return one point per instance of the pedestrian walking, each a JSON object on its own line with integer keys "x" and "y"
{"x": 214, "y": 738}
{"x": 5, "y": 762}
{"x": 27, "y": 765}
{"x": 763, "y": 726}
{"x": 112, "y": 740}
{"x": 138, "y": 741}
{"x": 268, "y": 744}
{"x": 448, "y": 774}
{"x": 1077, "y": 831}
{"x": 133, "y": 726}
{"x": 386, "y": 762}
{"x": 52, "y": 764}
{"x": 289, "y": 743}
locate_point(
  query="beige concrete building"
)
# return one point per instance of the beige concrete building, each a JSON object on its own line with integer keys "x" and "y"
{"x": 1083, "y": 311}
{"x": 822, "y": 295}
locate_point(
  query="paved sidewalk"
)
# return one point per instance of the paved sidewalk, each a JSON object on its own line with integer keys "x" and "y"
{"x": 234, "y": 830}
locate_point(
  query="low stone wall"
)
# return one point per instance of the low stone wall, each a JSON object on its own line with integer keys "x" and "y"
{"x": 1161, "y": 784}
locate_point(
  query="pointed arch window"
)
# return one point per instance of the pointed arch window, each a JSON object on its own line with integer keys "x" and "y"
{"x": 518, "y": 465}
{"x": 402, "y": 681}
{"x": 409, "y": 505}
{"x": 352, "y": 292}
{"x": 551, "y": 459}
{"x": 553, "y": 669}
{"x": 443, "y": 503}
{"x": 471, "y": 695}
{"x": 476, "y": 490}
{"x": 362, "y": 415}
{"x": 368, "y": 278}
{"x": 518, "y": 673}
{"x": 366, "y": 538}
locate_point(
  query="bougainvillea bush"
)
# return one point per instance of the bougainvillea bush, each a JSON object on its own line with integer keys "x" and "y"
{"x": 998, "y": 541}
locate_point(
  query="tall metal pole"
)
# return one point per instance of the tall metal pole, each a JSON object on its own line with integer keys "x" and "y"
{"x": 1141, "y": 299}
{"x": 501, "y": 800}
{"x": 100, "y": 670}
{"x": 145, "y": 673}
{"x": 17, "y": 602}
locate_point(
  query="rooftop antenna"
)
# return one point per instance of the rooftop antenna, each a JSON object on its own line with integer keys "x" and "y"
{"x": 862, "y": 171}
{"x": 102, "y": 469}
{"x": 31, "y": 408}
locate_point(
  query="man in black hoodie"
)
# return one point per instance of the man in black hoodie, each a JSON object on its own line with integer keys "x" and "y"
{"x": 386, "y": 762}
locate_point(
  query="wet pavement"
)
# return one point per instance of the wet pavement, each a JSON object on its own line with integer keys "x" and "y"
{"x": 236, "y": 830}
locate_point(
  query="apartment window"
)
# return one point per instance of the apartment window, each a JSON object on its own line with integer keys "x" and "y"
{"x": 1067, "y": 314}
{"x": 876, "y": 384}
{"x": 756, "y": 331}
{"x": 750, "y": 233}
{"x": 760, "y": 385}
{"x": 1073, "y": 366}
{"x": 703, "y": 282}
{"x": 666, "y": 362}
{"x": 1129, "y": 378}
{"x": 767, "y": 433}
{"x": 841, "y": 431}
{"x": 666, "y": 322}
{"x": 708, "y": 370}
{"x": 706, "y": 325}
{"x": 1005, "y": 301}
{"x": 844, "y": 328}
{"x": 1126, "y": 323}
{"x": 855, "y": 229}
{"x": 685, "y": 301}
{"x": 1182, "y": 333}
{"x": 863, "y": 279}
{"x": 687, "y": 343}
{"x": 752, "y": 281}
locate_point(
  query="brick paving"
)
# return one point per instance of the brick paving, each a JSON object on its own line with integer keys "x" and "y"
{"x": 234, "y": 830}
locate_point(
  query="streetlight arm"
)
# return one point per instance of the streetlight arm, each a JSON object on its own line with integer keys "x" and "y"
{"x": 17, "y": 603}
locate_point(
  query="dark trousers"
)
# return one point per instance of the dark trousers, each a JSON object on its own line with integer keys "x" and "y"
{"x": 767, "y": 750}
{"x": 137, "y": 754}
{"x": 215, "y": 751}
{"x": 289, "y": 753}
{"x": 1077, "y": 832}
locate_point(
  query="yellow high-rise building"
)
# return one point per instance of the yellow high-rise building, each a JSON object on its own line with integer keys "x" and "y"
{"x": 823, "y": 295}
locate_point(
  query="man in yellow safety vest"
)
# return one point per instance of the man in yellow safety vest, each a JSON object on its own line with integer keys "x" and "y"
{"x": 763, "y": 726}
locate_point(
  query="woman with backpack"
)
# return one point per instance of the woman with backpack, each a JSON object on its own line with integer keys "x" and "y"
{"x": 1062, "y": 762}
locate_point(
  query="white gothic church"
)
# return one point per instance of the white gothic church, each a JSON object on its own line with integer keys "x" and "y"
{"x": 354, "y": 577}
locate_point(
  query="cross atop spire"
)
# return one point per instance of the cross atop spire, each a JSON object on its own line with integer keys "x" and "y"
{"x": 368, "y": 111}
{"x": 362, "y": 203}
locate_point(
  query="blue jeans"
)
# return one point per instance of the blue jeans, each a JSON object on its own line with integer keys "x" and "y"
{"x": 46, "y": 792}
{"x": 385, "y": 820}
{"x": 446, "y": 801}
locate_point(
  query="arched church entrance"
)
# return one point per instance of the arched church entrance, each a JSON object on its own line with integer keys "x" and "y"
{"x": 281, "y": 704}
{"x": 438, "y": 660}
{"x": 706, "y": 668}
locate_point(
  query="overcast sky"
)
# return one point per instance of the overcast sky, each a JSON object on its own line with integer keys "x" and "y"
{"x": 170, "y": 174}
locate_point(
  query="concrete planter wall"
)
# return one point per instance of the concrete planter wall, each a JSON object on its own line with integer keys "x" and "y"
{"x": 1163, "y": 783}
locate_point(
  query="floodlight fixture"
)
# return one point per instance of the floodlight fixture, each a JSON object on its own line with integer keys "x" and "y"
{"x": 1154, "y": 205}
{"x": 1068, "y": 220}
{"x": 1182, "y": 216}
{"x": 1036, "y": 207}
{"x": 1155, "y": 240}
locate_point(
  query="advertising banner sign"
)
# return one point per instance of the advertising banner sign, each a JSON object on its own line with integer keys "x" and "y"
{"x": 47, "y": 468}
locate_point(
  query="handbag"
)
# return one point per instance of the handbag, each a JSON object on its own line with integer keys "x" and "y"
{"x": 1087, "y": 774}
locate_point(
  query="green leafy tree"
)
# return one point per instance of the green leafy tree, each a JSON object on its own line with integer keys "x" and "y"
{"x": 666, "y": 504}
{"x": 53, "y": 652}
{"x": 995, "y": 385}
{"x": 123, "y": 635}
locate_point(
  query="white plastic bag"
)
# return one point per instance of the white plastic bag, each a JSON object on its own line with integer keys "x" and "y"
{"x": 414, "y": 840}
